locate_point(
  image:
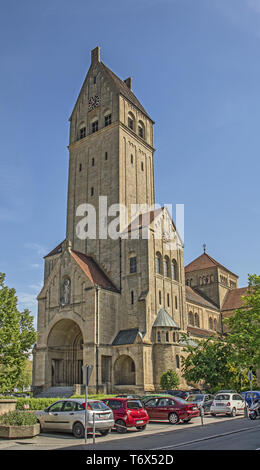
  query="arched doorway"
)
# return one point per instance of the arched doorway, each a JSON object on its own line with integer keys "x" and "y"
{"x": 124, "y": 371}
{"x": 65, "y": 353}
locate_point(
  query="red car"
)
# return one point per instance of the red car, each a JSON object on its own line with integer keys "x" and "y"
{"x": 127, "y": 413}
{"x": 171, "y": 408}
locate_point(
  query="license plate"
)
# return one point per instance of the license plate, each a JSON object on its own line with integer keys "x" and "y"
{"x": 139, "y": 422}
{"x": 194, "y": 408}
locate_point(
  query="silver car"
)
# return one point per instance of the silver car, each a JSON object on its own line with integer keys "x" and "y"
{"x": 68, "y": 415}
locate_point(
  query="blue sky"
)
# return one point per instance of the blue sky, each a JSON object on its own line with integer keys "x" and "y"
{"x": 196, "y": 69}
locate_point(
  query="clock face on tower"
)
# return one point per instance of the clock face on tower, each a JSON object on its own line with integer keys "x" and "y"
{"x": 93, "y": 102}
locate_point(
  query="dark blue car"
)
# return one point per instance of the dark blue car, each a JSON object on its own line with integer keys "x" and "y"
{"x": 251, "y": 396}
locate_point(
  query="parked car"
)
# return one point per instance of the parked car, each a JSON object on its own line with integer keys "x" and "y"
{"x": 128, "y": 412}
{"x": 228, "y": 403}
{"x": 184, "y": 394}
{"x": 69, "y": 416}
{"x": 171, "y": 408}
{"x": 251, "y": 396}
{"x": 202, "y": 401}
{"x": 129, "y": 396}
{"x": 147, "y": 397}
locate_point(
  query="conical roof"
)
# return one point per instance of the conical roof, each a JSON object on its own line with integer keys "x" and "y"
{"x": 164, "y": 319}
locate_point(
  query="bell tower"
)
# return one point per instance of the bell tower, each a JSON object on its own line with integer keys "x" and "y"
{"x": 110, "y": 162}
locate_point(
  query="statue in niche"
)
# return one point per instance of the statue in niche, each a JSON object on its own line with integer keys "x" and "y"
{"x": 65, "y": 296}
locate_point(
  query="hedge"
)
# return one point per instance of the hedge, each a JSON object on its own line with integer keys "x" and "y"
{"x": 42, "y": 403}
{"x": 18, "y": 418}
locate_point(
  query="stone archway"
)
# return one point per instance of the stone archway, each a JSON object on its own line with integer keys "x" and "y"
{"x": 65, "y": 353}
{"x": 124, "y": 371}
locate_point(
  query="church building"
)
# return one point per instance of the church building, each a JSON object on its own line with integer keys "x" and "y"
{"x": 120, "y": 303}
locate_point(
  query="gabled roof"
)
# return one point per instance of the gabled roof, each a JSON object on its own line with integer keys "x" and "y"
{"x": 143, "y": 220}
{"x": 194, "y": 297}
{"x": 125, "y": 337}
{"x": 95, "y": 274}
{"x": 204, "y": 261}
{"x": 233, "y": 299}
{"x": 56, "y": 250}
{"x": 123, "y": 89}
{"x": 164, "y": 319}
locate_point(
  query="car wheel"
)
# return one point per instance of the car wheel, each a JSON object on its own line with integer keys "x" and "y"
{"x": 78, "y": 430}
{"x": 173, "y": 418}
{"x": 121, "y": 426}
{"x": 105, "y": 432}
{"x": 252, "y": 416}
{"x": 141, "y": 428}
{"x": 186, "y": 420}
{"x": 233, "y": 412}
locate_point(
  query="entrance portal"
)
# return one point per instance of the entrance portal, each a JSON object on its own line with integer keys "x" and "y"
{"x": 65, "y": 353}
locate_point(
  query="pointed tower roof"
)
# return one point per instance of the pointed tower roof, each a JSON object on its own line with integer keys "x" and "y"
{"x": 123, "y": 87}
{"x": 204, "y": 261}
{"x": 164, "y": 319}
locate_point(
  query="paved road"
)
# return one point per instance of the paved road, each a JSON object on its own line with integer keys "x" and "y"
{"x": 240, "y": 434}
{"x": 218, "y": 433}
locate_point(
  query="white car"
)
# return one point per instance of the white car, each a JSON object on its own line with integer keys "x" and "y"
{"x": 68, "y": 415}
{"x": 228, "y": 403}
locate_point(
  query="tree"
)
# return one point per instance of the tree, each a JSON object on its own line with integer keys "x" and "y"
{"x": 169, "y": 380}
{"x": 17, "y": 336}
{"x": 209, "y": 361}
{"x": 244, "y": 326}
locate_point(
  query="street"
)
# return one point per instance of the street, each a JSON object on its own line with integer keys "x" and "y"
{"x": 219, "y": 433}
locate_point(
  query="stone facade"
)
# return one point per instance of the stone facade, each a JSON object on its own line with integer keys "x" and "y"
{"x": 118, "y": 304}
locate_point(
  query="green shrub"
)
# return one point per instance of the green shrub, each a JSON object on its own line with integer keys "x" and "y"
{"x": 42, "y": 403}
{"x": 169, "y": 380}
{"x": 18, "y": 418}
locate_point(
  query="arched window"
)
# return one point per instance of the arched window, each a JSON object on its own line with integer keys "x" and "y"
{"x": 210, "y": 323}
{"x": 160, "y": 297}
{"x": 197, "y": 320}
{"x": 166, "y": 267}
{"x": 132, "y": 297}
{"x": 191, "y": 318}
{"x": 82, "y": 131}
{"x": 177, "y": 361}
{"x": 158, "y": 262}
{"x": 215, "y": 324}
{"x": 175, "y": 270}
{"x": 167, "y": 337}
{"x": 131, "y": 121}
{"x": 141, "y": 129}
{"x": 159, "y": 336}
{"x": 132, "y": 263}
{"x": 107, "y": 118}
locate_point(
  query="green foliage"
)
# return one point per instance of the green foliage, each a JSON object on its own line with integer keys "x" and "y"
{"x": 42, "y": 403}
{"x": 18, "y": 418}
{"x": 209, "y": 362}
{"x": 17, "y": 336}
{"x": 169, "y": 380}
{"x": 244, "y": 327}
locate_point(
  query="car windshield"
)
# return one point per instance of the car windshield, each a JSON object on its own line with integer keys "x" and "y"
{"x": 180, "y": 400}
{"x": 98, "y": 405}
{"x": 222, "y": 397}
{"x": 195, "y": 398}
{"x": 134, "y": 404}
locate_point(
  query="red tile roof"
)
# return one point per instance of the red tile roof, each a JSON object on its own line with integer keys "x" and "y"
{"x": 93, "y": 271}
{"x": 194, "y": 331}
{"x": 204, "y": 261}
{"x": 233, "y": 299}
